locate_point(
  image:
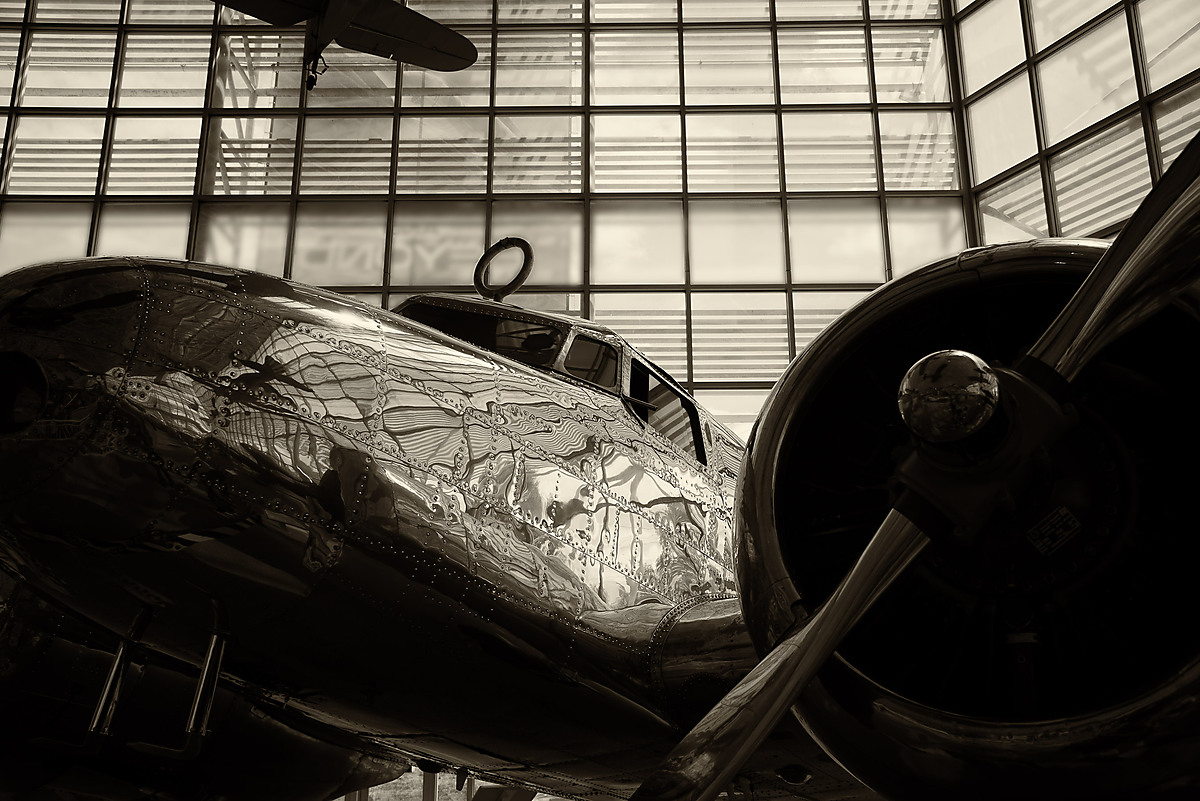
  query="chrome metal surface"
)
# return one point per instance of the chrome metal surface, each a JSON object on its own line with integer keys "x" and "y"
{"x": 1153, "y": 259}
{"x": 948, "y": 395}
{"x": 717, "y": 748}
{"x": 977, "y": 675}
{"x": 518, "y": 563}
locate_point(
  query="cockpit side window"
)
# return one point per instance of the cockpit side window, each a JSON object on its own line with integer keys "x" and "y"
{"x": 669, "y": 412}
{"x": 593, "y": 361}
{"x": 535, "y": 344}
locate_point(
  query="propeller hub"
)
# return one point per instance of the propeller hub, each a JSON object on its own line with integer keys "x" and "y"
{"x": 948, "y": 395}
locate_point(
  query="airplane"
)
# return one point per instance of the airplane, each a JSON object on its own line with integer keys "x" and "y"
{"x": 261, "y": 540}
{"x": 386, "y": 28}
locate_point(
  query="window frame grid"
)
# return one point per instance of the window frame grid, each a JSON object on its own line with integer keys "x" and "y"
{"x": 967, "y": 194}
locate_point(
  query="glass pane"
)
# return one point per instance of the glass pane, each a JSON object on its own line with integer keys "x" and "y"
{"x": 10, "y": 45}
{"x": 1054, "y": 19}
{"x": 736, "y": 409}
{"x": 836, "y": 240}
{"x": 258, "y": 70}
{"x": 526, "y": 341}
{"x": 732, "y": 153}
{"x": 905, "y": 9}
{"x": 818, "y": 9}
{"x": 731, "y": 66}
{"x": 910, "y": 65}
{"x": 823, "y": 65}
{"x": 539, "y": 68}
{"x": 339, "y": 244}
{"x": 639, "y": 242}
{"x": 641, "y": 153}
{"x": 171, "y": 12}
{"x": 154, "y": 155}
{"x": 1001, "y": 126}
{"x": 1014, "y": 210}
{"x": 991, "y": 43}
{"x": 1177, "y": 119}
{"x": 37, "y": 232}
{"x": 68, "y": 69}
{"x": 77, "y": 11}
{"x": 143, "y": 229}
{"x": 653, "y": 322}
{"x": 918, "y": 150}
{"x": 537, "y": 10}
{"x": 250, "y": 156}
{"x": 354, "y": 79}
{"x": 593, "y": 361}
{"x": 456, "y": 12}
{"x": 923, "y": 229}
{"x": 814, "y": 311}
{"x": 252, "y": 236}
{"x": 12, "y": 10}
{"x": 538, "y": 154}
{"x": 423, "y": 88}
{"x": 56, "y": 155}
{"x": 557, "y": 302}
{"x": 666, "y": 410}
{"x": 164, "y": 70}
{"x": 635, "y": 67}
{"x": 442, "y": 154}
{"x": 555, "y": 230}
{"x": 1088, "y": 80}
{"x": 436, "y": 243}
{"x": 739, "y": 334}
{"x": 1099, "y": 182}
{"x": 231, "y": 16}
{"x": 825, "y": 152}
{"x": 1171, "y": 37}
{"x": 632, "y": 10}
{"x": 346, "y": 155}
{"x": 740, "y": 11}
{"x": 734, "y": 242}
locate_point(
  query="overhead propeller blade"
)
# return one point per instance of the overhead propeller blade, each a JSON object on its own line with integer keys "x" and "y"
{"x": 1146, "y": 267}
{"x": 713, "y": 752}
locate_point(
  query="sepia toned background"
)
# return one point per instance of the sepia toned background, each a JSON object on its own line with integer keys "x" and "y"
{"x": 714, "y": 179}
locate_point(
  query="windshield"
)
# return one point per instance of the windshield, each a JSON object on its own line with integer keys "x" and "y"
{"x": 536, "y": 344}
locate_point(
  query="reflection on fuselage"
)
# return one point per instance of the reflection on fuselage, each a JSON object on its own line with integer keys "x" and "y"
{"x": 328, "y": 474}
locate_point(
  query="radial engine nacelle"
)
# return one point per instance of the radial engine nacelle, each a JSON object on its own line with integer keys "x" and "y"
{"x": 1043, "y": 651}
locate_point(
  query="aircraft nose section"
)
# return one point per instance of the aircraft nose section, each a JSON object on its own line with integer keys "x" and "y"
{"x": 65, "y": 328}
{"x": 23, "y": 390}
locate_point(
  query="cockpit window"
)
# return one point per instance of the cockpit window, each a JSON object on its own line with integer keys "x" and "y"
{"x": 535, "y": 344}
{"x": 593, "y": 361}
{"x": 667, "y": 411}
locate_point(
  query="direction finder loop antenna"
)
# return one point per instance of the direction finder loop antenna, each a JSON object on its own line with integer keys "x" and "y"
{"x": 490, "y": 292}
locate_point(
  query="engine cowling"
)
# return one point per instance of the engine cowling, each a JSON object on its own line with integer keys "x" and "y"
{"x": 1052, "y": 655}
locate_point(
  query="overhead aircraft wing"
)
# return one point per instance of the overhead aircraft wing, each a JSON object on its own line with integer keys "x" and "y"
{"x": 384, "y": 28}
{"x": 388, "y": 28}
{"x": 278, "y": 12}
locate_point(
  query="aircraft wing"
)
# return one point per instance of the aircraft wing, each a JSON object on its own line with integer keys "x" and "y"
{"x": 278, "y": 12}
{"x": 387, "y": 28}
{"x": 380, "y": 27}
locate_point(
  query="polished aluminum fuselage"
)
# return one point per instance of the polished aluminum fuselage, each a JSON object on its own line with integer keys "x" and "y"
{"x": 442, "y": 550}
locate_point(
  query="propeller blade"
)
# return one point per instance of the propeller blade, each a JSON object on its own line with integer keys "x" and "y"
{"x": 713, "y": 752}
{"x": 1152, "y": 260}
